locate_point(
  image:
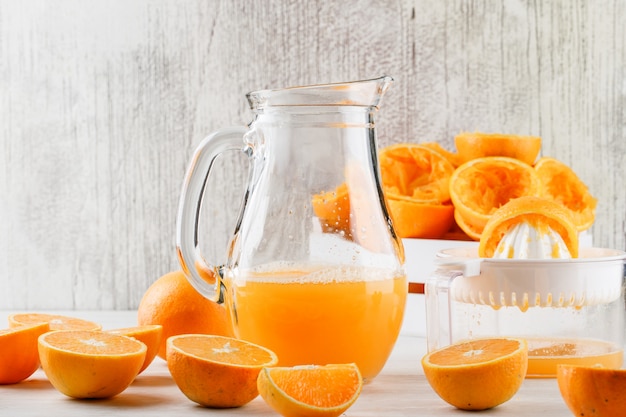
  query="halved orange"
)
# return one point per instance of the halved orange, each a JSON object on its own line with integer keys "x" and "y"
{"x": 592, "y": 390}
{"x": 90, "y": 364}
{"x": 478, "y": 145}
{"x": 217, "y": 371}
{"x": 416, "y": 173}
{"x": 420, "y": 220}
{"x": 540, "y": 213}
{"x": 481, "y": 186}
{"x": 560, "y": 183}
{"x": 56, "y": 321}
{"x": 477, "y": 374}
{"x": 149, "y": 334}
{"x": 310, "y": 390}
{"x": 19, "y": 357}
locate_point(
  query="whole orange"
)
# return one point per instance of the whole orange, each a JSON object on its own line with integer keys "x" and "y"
{"x": 173, "y": 303}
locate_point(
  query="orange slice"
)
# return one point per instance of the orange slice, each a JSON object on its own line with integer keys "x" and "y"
{"x": 420, "y": 220}
{"x": 477, "y": 374}
{"x": 560, "y": 183}
{"x": 217, "y": 371}
{"x": 310, "y": 390}
{"x": 19, "y": 357}
{"x": 56, "y": 322}
{"x": 539, "y": 213}
{"x": 150, "y": 335}
{"x": 415, "y": 173}
{"x": 478, "y": 145}
{"x": 481, "y": 186}
{"x": 90, "y": 364}
{"x": 592, "y": 391}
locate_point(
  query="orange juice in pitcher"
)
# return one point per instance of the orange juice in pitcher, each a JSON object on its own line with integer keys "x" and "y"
{"x": 322, "y": 316}
{"x": 314, "y": 269}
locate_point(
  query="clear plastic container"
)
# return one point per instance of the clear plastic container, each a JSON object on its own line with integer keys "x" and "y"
{"x": 570, "y": 311}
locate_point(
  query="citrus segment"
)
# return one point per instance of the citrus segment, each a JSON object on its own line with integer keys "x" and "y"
{"x": 90, "y": 364}
{"x": 310, "y": 390}
{"x": 19, "y": 357}
{"x": 478, "y": 145}
{"x": 216, "y": 371}
{"x": 415, "y": 172}
{"x": 542, "y": 214}
{"x": 149, "y": 335}
{"x": 560, "y": 183}
{"x": 420, "y": 220}
{"x": 592, "y": 391}
{"x": 173, "y": 303}
{"x": 56, "y": 321}
{"x": 477, "y": 374}
{"x": 481, "y": 186}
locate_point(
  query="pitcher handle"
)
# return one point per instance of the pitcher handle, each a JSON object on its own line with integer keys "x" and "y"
{"x": 205, "y": 278}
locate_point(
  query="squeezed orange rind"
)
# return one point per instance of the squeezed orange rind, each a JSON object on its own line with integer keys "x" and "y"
{"x": 481, "y": 186}
{"x": 560, "y": 183}
{"x": 416, "y": 173}
{"x": 539, "y": 212}
{"x": 478, "y": 145}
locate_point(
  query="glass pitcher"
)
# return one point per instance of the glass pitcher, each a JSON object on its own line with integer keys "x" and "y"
{"x": 314, "y": 270}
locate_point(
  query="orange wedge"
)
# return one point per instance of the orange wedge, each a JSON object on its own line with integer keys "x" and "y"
{"x": 477, "y": 374}
{"x": 416, "y": 173}
{"x": 56, "y": 322}
{"x": 478, "y": 145}
{"x": 560, "y": 183}
{"x": 90, "y": 364}
{"x": 420, "y": 220}
{"x": 217, "y": 371}
{"x": 19, "y": 357}
{"x": 481, "y": 186}
{"x": 310, "y": 390}
{"x": 150, "y": 335}
{"x": 539, "y": 213}
{"x": 593, "y": 391}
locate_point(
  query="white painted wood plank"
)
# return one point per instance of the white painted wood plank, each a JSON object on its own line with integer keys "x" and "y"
{"x": 102, "y": 104}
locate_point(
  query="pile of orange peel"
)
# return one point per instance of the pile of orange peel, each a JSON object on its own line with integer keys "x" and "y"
{"x": 435, "y": 193}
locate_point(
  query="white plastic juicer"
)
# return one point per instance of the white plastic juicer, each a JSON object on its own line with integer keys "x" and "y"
{"x": 569, "y": 310}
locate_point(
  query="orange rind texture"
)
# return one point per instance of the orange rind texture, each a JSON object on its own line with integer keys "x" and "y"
{"x": 592, "y": 390}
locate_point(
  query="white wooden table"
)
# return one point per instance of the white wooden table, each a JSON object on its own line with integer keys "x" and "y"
{"x": 400, "y": 390}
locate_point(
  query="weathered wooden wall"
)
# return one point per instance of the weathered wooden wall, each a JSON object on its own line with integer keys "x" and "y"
{"x": 102, "y": 104}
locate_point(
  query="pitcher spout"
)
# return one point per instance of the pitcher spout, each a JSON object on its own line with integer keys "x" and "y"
{"x": 363, "y": 93}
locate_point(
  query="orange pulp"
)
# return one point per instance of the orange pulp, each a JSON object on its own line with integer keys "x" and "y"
{"x": 338, "y": 315}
